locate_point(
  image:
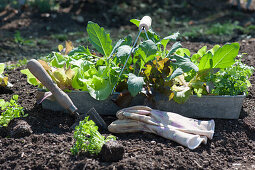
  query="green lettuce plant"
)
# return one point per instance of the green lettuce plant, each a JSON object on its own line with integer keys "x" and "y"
{"x": 10, "y": 110}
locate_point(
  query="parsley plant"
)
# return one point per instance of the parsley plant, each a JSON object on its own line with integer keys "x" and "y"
{"x": 232, "y": 80}
{"x": 88, "y": 138}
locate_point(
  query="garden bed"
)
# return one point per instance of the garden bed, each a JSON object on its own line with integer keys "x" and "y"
{"x": 49, "y": 145}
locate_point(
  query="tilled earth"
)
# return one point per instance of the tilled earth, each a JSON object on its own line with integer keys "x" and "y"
{"x": 48, "y": 147}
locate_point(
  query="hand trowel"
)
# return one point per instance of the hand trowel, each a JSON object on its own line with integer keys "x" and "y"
{"x": 62, "y": 98}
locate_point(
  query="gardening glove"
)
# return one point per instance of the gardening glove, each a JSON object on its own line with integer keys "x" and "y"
{"x": 185, "y": 131}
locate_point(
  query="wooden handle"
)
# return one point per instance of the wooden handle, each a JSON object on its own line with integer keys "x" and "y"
{"x": 146, "y": 23}
{"x": 39, "y": 72}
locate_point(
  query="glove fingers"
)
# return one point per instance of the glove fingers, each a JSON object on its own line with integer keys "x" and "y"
{"x": 185, "y": 124}
{"x": 137, "y": 117}
{"x": 138, "y": 108}
{"x": 189, "y": 140}
{"x": 125, "y": 126}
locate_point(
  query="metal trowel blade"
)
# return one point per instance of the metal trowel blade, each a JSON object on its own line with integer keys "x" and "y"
{"x": 94, "y": 116}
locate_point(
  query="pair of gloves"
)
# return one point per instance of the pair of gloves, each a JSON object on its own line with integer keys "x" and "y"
{"x": 185, "y": 131}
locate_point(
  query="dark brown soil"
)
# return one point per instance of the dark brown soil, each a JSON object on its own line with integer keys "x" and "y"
{"x": 48, "y": 147}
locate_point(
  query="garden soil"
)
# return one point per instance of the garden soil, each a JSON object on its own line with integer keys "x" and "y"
{"x": 48, "y": 145}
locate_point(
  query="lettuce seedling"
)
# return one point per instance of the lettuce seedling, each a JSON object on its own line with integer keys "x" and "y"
{"x": 10, "y": 110}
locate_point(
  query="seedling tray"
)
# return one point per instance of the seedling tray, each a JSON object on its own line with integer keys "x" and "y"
{"x": 84, "y": 102}
{"x": 223, "y": 107}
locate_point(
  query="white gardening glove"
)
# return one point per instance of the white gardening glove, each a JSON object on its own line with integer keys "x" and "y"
{"x": 186, "y": 131}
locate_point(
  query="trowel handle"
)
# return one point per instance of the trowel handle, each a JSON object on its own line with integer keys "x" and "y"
{"x": 39, "y": 72}
{"x": 145, "y": 22}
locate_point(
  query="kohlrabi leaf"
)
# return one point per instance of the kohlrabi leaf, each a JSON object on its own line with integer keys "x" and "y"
{"x": 214, "y": 49}
{"x": 175, "y": 73}
{"x": 147, "y": 49}
{"x": 99, "y": 38}
{"x": 135, "y": 21}
{"x": 165, "y": 40}
{"x": 172, "y": 37}
{"x": 122, "y": 54}
{"x": 195, "y": 58}
{"x": 31, "y": 79}
{"x": 152, "y": 36}
{"x": 182, "y": 52}
{"x": 202, "y": 51}
{"x": 184, "y": 63}
{"x": 135, "y": 84}
{"x": 206, "y": 61}
{"x": 225, "y": 56}
{"x": 173, "y": 49}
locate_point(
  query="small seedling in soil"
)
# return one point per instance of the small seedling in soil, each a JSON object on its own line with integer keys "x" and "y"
{"x": 88, "y": 139}
{"x": 10, "y": 110}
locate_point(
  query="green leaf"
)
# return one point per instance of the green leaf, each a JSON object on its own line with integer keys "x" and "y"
{"x": 181, "y": 94}
{"x": 135, "y": 21}
{"x": 99, "y": 39}
{"x": 58, "y": 61}
{"x": 152, "y": 36}
{"x": 135, "y": 84}
{"x": 176, "y": 73}
{"x": 76, "y": 83}
{"x": 225, "y": 56}
{"x": 31, "y": 79}
{"x": 182, "y": 52}
{"x": 2, "y": 102}
{"x": 147, "y": 49}
{"x": 184, "y": 63}
{"x": 2, "y": 65}
{"x": 206, "y": 61}
{"x": 214, "y": 49}
{"x": 60, "y": 76}
{"x": 196, "y": 57}
{"x": 173, "y": 49}
{"x": 99, "y": 88}
{"x": 15, "y": 97}
{"x": 172, "y": 37}
{"x": 122, "y": 54}
{"x": 81, "y": 50}
{"x": 202, "y": 51}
